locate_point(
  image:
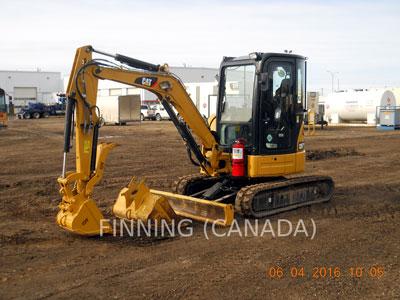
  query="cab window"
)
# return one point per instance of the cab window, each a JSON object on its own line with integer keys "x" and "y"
{"x": 237, "y": 104}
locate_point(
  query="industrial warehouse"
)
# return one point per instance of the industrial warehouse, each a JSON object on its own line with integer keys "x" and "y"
{"x": 212, "y": 155}
{"x": 26, "y": 86}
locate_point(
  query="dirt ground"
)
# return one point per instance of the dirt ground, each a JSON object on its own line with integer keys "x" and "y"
{"x": 358, "y": 228}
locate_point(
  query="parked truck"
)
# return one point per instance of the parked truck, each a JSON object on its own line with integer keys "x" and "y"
{"x": 41, "y": 110}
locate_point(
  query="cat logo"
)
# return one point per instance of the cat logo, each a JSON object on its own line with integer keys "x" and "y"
{"x": 147, "y": 81}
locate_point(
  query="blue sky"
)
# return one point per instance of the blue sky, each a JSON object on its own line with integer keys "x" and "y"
{"x": 358, "y": 39}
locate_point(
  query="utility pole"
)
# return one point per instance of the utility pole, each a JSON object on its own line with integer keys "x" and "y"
{"x": 333, "y": 77}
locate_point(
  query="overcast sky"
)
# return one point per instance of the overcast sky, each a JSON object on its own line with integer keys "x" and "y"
{"x": 358, "y": 39}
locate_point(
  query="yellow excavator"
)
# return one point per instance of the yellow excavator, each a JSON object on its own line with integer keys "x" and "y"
{"x": 255, "y": 139}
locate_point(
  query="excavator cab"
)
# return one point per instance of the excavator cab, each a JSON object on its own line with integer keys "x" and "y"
{"x": 261, "y": 100}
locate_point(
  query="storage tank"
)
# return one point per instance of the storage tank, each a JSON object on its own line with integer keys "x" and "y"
{"x": 357, "y": 105}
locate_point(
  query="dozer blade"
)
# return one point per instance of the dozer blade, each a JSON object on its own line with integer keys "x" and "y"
{"x": 137, "y": 203}
{"x": 199, "y": 209}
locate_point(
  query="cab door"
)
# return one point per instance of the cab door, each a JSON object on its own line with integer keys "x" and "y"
{"x": 278, "y": 108}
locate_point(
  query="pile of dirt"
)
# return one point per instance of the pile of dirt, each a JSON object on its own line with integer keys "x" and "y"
{"x": 336, "y": 152}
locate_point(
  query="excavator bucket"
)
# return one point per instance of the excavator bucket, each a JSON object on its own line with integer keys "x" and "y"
{"x": 79, "y": 213}
{"x": 137, "y": 203}
{"x": 85, "y": 219}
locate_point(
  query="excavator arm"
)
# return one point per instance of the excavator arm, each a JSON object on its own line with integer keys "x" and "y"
{"x": 78, "y": 211}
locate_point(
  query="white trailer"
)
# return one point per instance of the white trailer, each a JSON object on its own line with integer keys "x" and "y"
{"x": 119, "y": 110}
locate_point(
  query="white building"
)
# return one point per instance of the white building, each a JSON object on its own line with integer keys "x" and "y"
{"x": 26, "y": 86}
{"x": 200, "y": 83}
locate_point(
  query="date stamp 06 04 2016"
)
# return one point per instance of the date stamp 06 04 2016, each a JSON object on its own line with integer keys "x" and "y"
{"x": 325, "y": 272}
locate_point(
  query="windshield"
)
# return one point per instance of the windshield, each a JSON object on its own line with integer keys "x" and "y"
{"x": 236, "y": 105}
{"x": 237, "y": 99}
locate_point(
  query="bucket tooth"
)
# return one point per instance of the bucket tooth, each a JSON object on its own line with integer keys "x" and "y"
{"x": 137, "y": 203}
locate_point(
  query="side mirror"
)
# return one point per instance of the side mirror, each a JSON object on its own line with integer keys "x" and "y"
{"x": 264, "y": 82}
